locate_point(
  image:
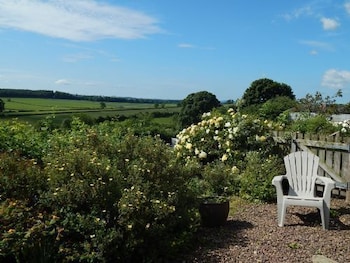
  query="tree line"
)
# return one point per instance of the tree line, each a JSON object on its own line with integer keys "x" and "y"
{"x": 49, "y": 94}
{"x": 264, "y": 97}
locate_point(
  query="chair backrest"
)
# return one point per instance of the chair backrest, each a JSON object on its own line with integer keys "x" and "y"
{"x": 301, "y": 171}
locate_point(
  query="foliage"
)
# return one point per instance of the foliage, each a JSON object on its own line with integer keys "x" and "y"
{"x": 262, "y": 90}
{"x": 255, "y": 183}
{"x": 343, "y": 127}
{"x": 20, "y": 178}
{"x": 213, "y": 180}
{"x": 218, "y": 144}
{"x": 194, "y": 105}
{"x": 318, "y": 124}
{"x": 23, "y": 138}
{"x": 221, "y": 178}
{"x": 58, "y": 95}
{"x": 272, "y": 108}
{"x": 315, "y": 115}
{"x": 226, "y": 137}
{"x": 317, "y": 104}
{"x": 100, "y": 193}
{"x": 2, "y": 105}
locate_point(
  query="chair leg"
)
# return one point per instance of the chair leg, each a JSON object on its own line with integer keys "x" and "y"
{"x": 326, "y": 216}
{"x": 322, "y": 213}
{"x": 279, "y": 212}
{"x": 282, "y": 214}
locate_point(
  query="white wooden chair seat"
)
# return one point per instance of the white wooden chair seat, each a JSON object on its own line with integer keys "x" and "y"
{"x": 301, "y": 173}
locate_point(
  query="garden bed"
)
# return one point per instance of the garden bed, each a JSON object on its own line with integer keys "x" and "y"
{"x": 252, "y": 235}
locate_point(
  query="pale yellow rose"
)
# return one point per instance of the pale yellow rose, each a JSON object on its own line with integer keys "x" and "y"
{"x": 202, "y": 155}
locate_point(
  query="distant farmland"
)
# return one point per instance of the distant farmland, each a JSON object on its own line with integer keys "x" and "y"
{"x": 33, "y": 109}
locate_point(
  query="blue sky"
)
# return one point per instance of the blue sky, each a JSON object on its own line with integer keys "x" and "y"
{"x": 167, "y": 49}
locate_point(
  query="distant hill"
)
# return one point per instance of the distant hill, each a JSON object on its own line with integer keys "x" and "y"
{"x": 49, "y": 94}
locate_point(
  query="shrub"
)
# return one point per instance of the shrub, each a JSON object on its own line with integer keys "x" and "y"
{"x": 255, "y": 183}
{"x": 318, "y": 124}
{"x": 219, "y": 144}
{"x": 226, "y": 137}
{"x": 101, "y": 194}
{"x": 272, "y": 108}
{"x": 22, "y": 138}
{"x": 221, "y": 177}
{"x": 343, "y": 127}
{"x": 20, "y": 178}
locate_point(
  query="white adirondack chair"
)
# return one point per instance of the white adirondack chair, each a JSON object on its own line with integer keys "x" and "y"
{"x": 301, "y": 173}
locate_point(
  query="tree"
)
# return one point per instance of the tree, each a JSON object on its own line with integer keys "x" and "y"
{"x": 194, "y": 105}
{"x": 317, "y": 104}
{"x": 262, "y": 90}
{"x": 102, "y": 105}
{"x": 2, "y": 105}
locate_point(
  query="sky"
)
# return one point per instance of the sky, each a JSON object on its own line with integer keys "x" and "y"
{"x": 168, "y": 49}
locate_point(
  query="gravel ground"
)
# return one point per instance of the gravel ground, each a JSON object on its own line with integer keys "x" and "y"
{"x": 251, "y": 234}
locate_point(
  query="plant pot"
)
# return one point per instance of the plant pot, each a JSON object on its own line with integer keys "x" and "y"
{"x": 214, "y": 214}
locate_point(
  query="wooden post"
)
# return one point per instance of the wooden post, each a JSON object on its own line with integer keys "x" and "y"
{"x": 346, "y": 171}
{"x": 347, "y": 193}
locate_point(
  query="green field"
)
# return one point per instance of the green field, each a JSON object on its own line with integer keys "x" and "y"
{"x": 35, "y": 104}
{"x": 34, "y": 109}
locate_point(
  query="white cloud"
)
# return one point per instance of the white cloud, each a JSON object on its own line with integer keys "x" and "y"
{"x": 76, "y": 57}
{"x": 317, "y": 45}
{"x": 186, "y": 45}
{"x": 329, "y": 24}
{"x": 333, "y": 78}
{"x": 347, "y": 7}
{"x": 62, "y": 82}
{"x": 78, "y": 20}
{"x": 299, "y": 12}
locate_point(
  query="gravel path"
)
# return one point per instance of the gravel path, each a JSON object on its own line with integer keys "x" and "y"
{"x": 252, "y": 235}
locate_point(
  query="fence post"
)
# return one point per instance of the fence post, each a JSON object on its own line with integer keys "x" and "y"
{"x": 347, "y": 195}
{"x": 346, "y": 170}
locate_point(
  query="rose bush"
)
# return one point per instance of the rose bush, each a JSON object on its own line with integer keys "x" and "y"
{"x": 226, "y": 137}
{"x": 220, "y": 144}
{"x": 343, "y": 127}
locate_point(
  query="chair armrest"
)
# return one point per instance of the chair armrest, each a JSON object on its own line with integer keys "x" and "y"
{"x": 326, "y": 180}
{"x": 277, "y": 182}
{"x": 329, "y": 184}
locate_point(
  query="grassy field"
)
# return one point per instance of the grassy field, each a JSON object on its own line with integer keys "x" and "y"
{"x": 34, "y": 104}
{"x": 34, "y": 109}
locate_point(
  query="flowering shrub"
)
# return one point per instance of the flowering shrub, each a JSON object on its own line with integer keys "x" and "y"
{"x": 226, "y": 137}
{"x": 99, "y": 194}
{"x": 220, "y": 144}
{"x": 343, "y": 127}
{"x": 23, "y": 138}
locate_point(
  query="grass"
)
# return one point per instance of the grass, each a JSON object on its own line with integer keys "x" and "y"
{"x": 34, "y": 109}
{"x": 36, "y": 104}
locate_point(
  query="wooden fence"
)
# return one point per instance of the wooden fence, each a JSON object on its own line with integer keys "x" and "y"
{"x": 333, "y": 150}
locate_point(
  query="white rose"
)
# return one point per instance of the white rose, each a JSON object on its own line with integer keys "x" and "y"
{"x": 202, "y": 155}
